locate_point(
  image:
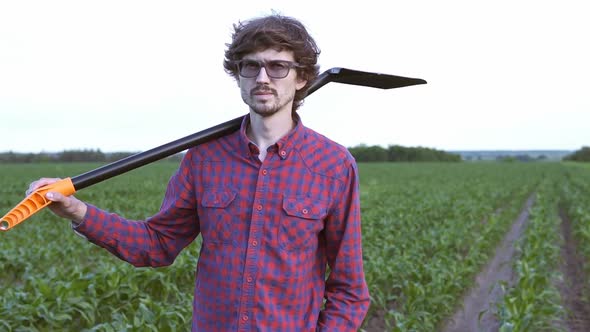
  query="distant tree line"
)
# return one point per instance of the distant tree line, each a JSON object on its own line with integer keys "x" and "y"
{"x": 397, "y": 153}
{"x": 580, "y": 155}
{"x": 361, "y": 153}
{"x": 87, "y": 155}
{"x": 520, "y": 157}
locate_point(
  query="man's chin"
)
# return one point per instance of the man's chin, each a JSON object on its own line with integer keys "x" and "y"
{"x": 265, "y": 112}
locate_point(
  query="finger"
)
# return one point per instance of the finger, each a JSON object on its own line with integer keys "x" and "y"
{"x": 40, "y": 183}
{"x": 66, "y": 206}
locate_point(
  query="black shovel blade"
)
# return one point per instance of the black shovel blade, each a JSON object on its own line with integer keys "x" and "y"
{"x": 362, "y": 78}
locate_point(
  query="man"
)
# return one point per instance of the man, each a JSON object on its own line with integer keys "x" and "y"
{"x": 275, "y": 203}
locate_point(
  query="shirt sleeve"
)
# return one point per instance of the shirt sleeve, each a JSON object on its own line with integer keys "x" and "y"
{"x": 155, "y": 241}
{"x": 346, "y": 293}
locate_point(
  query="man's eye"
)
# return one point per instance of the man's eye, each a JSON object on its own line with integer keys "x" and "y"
{"x": 251, "y": 65}
{"x": 278, "y": 65}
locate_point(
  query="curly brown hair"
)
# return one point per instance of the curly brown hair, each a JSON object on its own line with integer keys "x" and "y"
{"x": 280, "y": 33}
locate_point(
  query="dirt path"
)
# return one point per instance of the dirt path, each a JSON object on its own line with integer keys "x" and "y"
{"x": 572, "y": 287}
{"x": 486, "y": 292}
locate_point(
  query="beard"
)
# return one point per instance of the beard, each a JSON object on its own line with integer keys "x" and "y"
{"x": 266, "y": 108}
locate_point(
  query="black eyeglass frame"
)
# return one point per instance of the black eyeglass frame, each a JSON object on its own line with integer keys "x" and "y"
{"x": 265, "y": 64}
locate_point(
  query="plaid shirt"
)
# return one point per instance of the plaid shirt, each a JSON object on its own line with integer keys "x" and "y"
{"x": 269, "y": 229}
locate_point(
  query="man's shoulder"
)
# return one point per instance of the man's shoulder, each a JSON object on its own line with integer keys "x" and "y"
{"x": 214, "y": 148}
{"x": 325, "y": 156}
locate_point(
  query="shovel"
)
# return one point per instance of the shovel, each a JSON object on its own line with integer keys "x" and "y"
{"x": 36, "y": 200}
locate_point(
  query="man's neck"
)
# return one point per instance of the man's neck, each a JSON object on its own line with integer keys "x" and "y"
{"x": 266, "y": 131}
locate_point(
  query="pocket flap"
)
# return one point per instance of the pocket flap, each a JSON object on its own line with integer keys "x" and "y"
{"x": 217, "y": 198}
{"x": 304, "y": 207}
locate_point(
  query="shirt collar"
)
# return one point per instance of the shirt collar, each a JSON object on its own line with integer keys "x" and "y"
{"x": 284, "y": 146}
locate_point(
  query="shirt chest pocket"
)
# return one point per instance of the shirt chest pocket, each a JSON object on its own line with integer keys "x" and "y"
{"x": 216, "y": 218}
{"x": 301, "y": 222}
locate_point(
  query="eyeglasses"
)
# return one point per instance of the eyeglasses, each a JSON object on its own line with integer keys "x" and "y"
{"x": 273, "y": 68}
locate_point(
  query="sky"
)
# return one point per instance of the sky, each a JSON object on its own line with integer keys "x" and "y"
{"x": 133, "y": 75}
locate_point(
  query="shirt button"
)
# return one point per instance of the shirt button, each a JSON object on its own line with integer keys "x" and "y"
{"x": 249, "y": 279}
{"x": 259, "y": 207}
{"x": 264, "y": 172}
{"x": 304, "y": 211}
{"x": 283, "y": 153}
{"x": 254, "y": 243}
{"x": 245, "y": 317}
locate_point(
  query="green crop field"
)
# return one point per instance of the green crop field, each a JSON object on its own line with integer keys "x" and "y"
{"x": 428, "y": 229}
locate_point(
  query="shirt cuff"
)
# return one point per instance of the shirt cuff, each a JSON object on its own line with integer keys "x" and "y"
{"x": 76, "y": 226}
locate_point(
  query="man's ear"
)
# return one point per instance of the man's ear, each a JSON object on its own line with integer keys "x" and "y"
{"x": 300, "y": 84}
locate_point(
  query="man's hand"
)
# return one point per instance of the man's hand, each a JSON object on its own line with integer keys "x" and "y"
{"x": 68, "y": 207}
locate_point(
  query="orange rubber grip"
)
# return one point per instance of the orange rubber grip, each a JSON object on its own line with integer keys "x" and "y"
{"x": 35, "y": 202}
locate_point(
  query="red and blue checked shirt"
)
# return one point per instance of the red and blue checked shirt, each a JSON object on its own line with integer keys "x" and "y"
{"x": 269, "y": 229}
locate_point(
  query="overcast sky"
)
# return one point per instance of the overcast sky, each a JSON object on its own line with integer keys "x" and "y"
{"x": 132, "y": 75}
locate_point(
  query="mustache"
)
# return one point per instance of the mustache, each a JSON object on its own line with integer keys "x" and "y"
{"x": 263, "y": 89}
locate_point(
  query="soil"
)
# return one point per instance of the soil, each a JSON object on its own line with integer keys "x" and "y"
{"x": 376, "y": 322}
{"x": 478, "y": 312}
{"x": 573, "y": 287}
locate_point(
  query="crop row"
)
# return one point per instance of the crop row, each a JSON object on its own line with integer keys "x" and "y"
{"x": 533, "y": 302}
{"x": 429, "y": 229}
{"x": 56, "y": 281}
{"x": 577, "y": 200}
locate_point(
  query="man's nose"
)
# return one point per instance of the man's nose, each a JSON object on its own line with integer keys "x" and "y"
{"x": 262, "y": 76}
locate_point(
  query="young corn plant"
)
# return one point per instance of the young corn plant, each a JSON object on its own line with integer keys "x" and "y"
{"x": 533, "y": 303}
{"x": 577, "y": 199}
